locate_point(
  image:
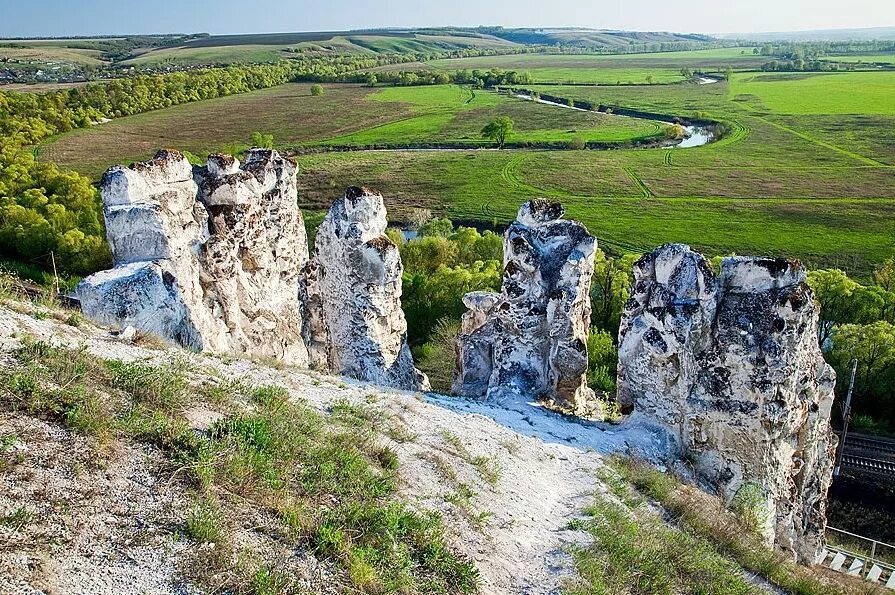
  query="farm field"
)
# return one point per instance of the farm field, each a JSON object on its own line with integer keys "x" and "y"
{"x": 819, "y": 93}
{"x": 50, "y": 54}
{"x": 365, "y": 116}
{"x": 788, "y": 179}
{"x": 272, "y": 47}
{"x": 448, "y": 113}
{"x": 663, "y": 67}
{"x": 865, "y": 58}
{"x": 209, "y": 55}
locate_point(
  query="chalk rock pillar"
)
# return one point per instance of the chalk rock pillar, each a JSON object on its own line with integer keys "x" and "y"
{"x": 205, "y": 257}
{"x": 530, "y": 342}
{"x": 732, "y": 367}
{"x": 356, "y": 281}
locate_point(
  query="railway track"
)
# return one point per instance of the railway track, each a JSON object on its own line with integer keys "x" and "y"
{"x": 869, "y": 464}
{"x": 870, "y": 444}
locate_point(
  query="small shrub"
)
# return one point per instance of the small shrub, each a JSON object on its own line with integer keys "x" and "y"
{"x": 751, "y": 506}
{"x": 317, "y": 90}
{"x": 204, "y": 522}
{"x": 161, "y": 387}
{"x": 269, "y": 581}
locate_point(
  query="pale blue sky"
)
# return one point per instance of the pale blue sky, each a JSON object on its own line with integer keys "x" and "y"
{"x": 86, "y": 17}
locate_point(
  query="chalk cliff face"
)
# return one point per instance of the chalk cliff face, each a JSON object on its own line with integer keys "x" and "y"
{"x": 215, "y": 258}
{"x": 731, "y": 365}
{"x": 530, "y": 341}
{"x": 354, "y": 296}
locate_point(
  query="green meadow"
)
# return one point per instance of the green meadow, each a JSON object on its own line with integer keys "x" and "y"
{"x": 806, "y": 167}
{"x": 819, "y": 93}
{"x": 608, "y": 69}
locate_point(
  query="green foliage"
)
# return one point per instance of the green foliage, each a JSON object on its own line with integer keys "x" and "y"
{"x": 317, "y": 90}
{"x": 610, "y": 289}
{"x": 440, "y": 267}
{"x": 204, "y": 522}
{"x": 45, "y": 210}
{"x": 751, "y": 507}
{"x": 498, "y": 130}
{"x": 602, "y": 361}
{"x": 157, "y": 387}
{"x": 429, "y": 297}
{"x": 874, "y": 347}
{"x": 261, "y": 140}
{"x": 437, "y": 227}
{"x": 437, "y": 356}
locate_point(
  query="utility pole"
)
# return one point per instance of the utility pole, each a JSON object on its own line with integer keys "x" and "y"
{"x": 55, "y": 275}
{"x": 846, "y": 417}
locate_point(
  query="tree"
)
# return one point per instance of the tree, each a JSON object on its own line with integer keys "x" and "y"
{"x": 262, "y": 141}
{"x": 649, "y": 79}
{"x": 610, "y": 289}
{"x": 498, "y": 130}
{"x": 728, "y": 73}
{"x": 884, "y": 274}
{"x": 686, "y": 73}
{"x": 371, "y": 79}
{"x": 674, "y": 131}
{"x": 873, "y": 345}
{"x": 317, "y": 90}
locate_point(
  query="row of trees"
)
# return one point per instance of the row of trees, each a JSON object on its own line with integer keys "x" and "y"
{"x": 478, "y": 79}
{"x": 48, "y": 214}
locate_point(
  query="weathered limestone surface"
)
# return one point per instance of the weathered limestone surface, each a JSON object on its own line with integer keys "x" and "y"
{"x": 530, "y": 341}
{"x": 207, "y": 257}
{"x": 732, "y": 367}
{"x": 353, "y": 294}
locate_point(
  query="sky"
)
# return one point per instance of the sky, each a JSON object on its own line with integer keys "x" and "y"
{"x": 31, "y": 18}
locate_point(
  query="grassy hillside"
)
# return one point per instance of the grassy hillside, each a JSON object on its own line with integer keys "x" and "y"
{"x": 270, "y": 47}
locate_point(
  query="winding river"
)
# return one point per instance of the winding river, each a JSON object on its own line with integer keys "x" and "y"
{"x": 694, "y": 136}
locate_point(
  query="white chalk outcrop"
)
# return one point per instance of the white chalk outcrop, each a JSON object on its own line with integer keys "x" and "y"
{"x": 530, "y": 341}
{"x": 732, "y": 367}
{"x": 353, "y": 295}
{"x": 215, "y": 258}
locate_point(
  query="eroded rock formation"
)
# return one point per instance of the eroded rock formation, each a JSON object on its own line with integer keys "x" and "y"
{"x": 732, "y": 367}
{"x": 215, "y": 258}
{"x": 205, "y": 257}
{"x": 530, "y": 341}
{"x": 353, "y": 292}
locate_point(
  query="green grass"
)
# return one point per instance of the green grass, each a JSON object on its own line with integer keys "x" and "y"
{"x": 53, "y": 55}
{"x": 597, "y": 191}
{"x": 867, "y": 59}
{"x": 600, "y": 69}
{"x": 209, "y": 55}
{"x": 448, "y": 113}
{"x": 635, "y": 552}
{"x": 328, "y": 479}
{"x": 867, "y": 93}
{"x": 784, "y": 181}
{"x": 699, "y": 515}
